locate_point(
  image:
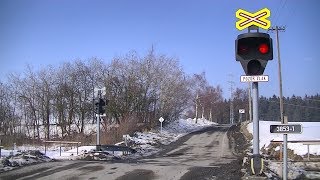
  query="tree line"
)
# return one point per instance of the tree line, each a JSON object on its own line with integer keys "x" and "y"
{"x": 297, "y": 108}
{"x": 58, "y": 102}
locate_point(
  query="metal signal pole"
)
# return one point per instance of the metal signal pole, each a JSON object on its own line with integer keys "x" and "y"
{"x": 250, "y": 103}
{"x": 197, "y": 99}
{"x": 285, "y": 136}
{"x": 255, "y": 107}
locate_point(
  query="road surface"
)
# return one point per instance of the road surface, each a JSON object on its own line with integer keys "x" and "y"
{"x": 199, "y": 155}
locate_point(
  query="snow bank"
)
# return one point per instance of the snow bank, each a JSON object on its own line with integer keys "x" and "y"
{"x": 69, "y": 154}
{"x": 147, "y": 143}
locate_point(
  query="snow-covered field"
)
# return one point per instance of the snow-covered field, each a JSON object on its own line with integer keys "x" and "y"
{"x": 145, "y": 143}
{"x": 310, "y": 131}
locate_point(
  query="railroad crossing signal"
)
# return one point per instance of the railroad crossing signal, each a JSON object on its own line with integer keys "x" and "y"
{"x": 253, "y": 50}
{"x": 248, "y": 19}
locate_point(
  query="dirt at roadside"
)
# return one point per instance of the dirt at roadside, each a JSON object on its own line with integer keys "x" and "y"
{"x": 238, "y": 141}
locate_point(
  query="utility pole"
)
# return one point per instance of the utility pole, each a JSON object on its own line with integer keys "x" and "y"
{"x": 210, "y": 113}
{"x": 197, "y": 99}
{"x": 98, "y": 120}
{"x": 231, "y": 82}
{"x": 93, "y": 105}
{"x": 202, "y": 116}
{"x": 285, "y": 136}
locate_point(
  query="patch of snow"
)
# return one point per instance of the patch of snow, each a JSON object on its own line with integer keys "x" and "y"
{"x": 146, "y": 143}
{"x": 69, "y": 154}
{"x": 22, "y": 159}
{"x": 295, "y": 169}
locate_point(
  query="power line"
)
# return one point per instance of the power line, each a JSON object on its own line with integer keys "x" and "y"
{"x": 290, "y": 15}
{"x": 279, "y": 12}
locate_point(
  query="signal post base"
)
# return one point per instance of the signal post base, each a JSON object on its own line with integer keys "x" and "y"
{"x": 256, "y": 164}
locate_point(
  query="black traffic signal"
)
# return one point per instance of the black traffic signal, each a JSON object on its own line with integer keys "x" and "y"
{"x": 253, "y": 50}
{"x": 100, "y": 106}
{"x": 96, "y": 106}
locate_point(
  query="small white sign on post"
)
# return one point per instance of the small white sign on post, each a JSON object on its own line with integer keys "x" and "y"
{"x": 262, "y": 78}
{"x": 96, "y": 91}
{"x": 125, "y": 137}
{"x": 242, "y": 111}
{"x": 161, "y": 120}
{"x": 101, "y": 115}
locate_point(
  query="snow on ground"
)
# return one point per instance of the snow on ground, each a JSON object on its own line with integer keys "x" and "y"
{"x": 310, "y": 131}
{"x": 69, "y": 154}
{"x": 146, "y": 143}
{"x": 296, "y": 170}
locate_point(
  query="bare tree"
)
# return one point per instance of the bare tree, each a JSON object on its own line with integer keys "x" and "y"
{"x": 26, "y": 90}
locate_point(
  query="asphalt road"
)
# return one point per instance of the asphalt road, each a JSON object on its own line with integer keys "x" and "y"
{"x": 199, "y": 155}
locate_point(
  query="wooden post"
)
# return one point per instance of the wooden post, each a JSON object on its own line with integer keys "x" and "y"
{"x": 308, "y": 152}
{"x": 280, "y": 152}
{"x": 77, "y": 147}
{"x": 45, "y": 148}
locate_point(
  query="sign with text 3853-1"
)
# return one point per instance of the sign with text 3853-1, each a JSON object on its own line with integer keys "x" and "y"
{"x": 286, "y": 128}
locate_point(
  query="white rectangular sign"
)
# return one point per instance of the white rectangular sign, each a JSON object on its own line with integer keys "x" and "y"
{"x": 96, "y": 91}
{"x": 262, "y": 78}
{"x": 242, "y": 111}
{"x": 101, "y": 115}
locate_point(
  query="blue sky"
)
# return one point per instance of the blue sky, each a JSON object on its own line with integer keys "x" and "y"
{"x": 200, "y": 33}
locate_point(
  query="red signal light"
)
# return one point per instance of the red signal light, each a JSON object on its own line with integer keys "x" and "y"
{"x": 263, "y": 48}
